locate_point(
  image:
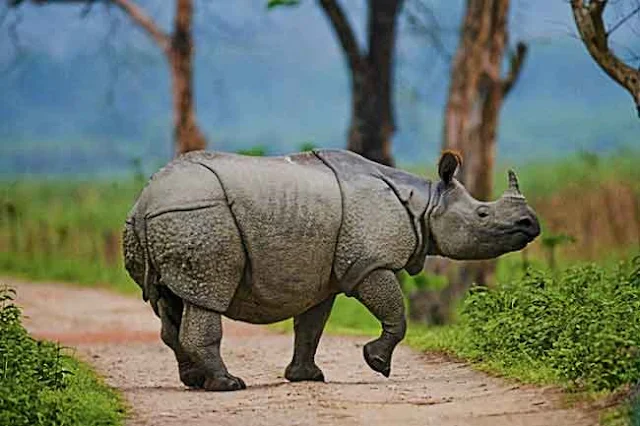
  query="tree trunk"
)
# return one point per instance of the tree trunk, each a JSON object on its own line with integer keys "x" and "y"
{"x": 372, "y": 121}
{"x": 370, "y": 130}
{"x": 476, "y": 93}
{"x": 187, "y": 134}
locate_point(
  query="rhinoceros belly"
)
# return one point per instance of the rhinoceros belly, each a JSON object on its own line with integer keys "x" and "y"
{"x": 288, "y": 211}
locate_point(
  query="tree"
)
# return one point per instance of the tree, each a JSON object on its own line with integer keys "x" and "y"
{"x": 372, "y": 115}
{"x": 588, "y": 15}
{"x": 477, "y": 90}
{"x": 476, "y": 93}
{"x": 178, "y": 49}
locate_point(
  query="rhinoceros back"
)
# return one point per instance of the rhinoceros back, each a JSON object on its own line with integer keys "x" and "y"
{"x": 288, "y": 213}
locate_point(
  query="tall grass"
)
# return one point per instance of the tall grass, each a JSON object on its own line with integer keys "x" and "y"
{"x": 70, "y": 230}
{"x": 65, "y": 230}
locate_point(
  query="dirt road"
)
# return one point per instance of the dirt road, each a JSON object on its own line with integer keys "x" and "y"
{"x": 119, "y": 336}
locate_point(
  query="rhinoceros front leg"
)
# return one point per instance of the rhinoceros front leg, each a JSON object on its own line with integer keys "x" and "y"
{"x": 308, "y": 328}
{"x": 200, "y": 336}
{"x": 170, "y": 312}
{"x": 380, "y": 293}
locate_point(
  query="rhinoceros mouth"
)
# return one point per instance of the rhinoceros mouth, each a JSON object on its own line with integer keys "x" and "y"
{"x": 529, "y": 234}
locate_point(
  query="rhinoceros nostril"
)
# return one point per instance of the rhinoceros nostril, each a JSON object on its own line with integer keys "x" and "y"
{"x": 525, "y": 223}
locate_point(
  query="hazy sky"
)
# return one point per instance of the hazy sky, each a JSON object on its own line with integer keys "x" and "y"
{"x": 278, "y": 78}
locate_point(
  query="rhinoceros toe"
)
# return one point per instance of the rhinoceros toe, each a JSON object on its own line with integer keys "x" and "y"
{"x": 224, "y": 383}
{"x": 378, "y": 357}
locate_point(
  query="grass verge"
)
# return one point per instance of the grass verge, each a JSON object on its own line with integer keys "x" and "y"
{"x": 40, "y": 384}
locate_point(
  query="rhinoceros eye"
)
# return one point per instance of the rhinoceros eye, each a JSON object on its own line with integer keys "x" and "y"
{"x": 482, "y": 211}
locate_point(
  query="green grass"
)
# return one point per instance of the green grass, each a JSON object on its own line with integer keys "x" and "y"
{"x": 42, "y": 384}
{"x": 66, "y": 230}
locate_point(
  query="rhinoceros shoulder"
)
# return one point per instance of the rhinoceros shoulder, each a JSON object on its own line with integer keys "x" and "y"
{"x": 382, "y": 211}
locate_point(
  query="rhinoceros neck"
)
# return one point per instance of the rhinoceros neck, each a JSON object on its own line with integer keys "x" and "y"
{"x": 431, "y": 247}
{"x": 416, "y": 195}
{"x": 424, "y": 241}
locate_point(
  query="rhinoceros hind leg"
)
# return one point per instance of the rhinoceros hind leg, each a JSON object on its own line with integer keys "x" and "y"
{"x": 308, "y": 328}
{"x": 200, "y": 336}
{"x": 381, "y": 294}
{"x": 170, "y": 311}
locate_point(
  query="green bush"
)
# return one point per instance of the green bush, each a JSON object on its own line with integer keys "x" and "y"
{"x": 583, "y": 324}
{"x": 40, "y": 385}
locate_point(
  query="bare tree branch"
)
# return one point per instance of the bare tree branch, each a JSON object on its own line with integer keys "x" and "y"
{"x": 588, "y": 17}
{"x": 143, "y": 20}
{"x": 87, "y": 9}
{"x": 3, "y": 15}
{"x": 343, "y": 30}
{"x": 18, "y": 48}
{"x": 431, "y": 28}
{"x": 114, "y": 63}
{"x": 135, "y": 13}
{"x": 623, "y": 20}
{"x": 515, "y": 66}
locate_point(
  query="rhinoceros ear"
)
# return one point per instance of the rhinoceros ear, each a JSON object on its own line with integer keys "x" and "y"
{"x": 448, "y": 164}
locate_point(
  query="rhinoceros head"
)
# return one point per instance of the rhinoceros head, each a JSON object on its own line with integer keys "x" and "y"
{"x": 465, "y": 228}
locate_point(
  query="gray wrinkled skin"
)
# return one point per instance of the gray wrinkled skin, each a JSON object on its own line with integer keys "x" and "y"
{"x": 265, "y": 239}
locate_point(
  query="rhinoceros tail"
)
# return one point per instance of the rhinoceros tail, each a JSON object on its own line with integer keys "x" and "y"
{"x": 136, "y": 258}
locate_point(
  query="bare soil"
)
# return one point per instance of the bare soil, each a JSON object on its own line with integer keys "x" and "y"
{"x": 120, "y": 336}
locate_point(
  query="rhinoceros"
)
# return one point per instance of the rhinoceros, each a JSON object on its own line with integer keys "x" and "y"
{"x": 265, "y": 239}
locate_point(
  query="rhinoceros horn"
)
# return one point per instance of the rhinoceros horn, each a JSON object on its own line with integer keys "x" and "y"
{"x": 514, "y": 189}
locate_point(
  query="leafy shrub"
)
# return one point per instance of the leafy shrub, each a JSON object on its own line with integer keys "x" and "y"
{"x": 39, "y": 385}
{"x": 583, "y": 324}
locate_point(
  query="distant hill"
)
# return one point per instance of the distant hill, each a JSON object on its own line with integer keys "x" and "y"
{"x": 89, "y": 95}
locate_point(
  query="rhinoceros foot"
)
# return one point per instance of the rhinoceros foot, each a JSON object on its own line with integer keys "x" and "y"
{"x": 377, "y": 354}
{"x": 303, "y": 372}
{"x": 223, "y": 383}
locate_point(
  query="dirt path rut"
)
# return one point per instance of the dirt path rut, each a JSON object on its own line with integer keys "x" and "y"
{"x": 119, "y": 336}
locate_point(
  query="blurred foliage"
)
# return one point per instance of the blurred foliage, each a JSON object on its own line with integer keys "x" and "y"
{"x": 40, "y": 385}
{"x": 254, "y": 151}
{"x": 275, "y": 3}
{"x": 420, "y": 282}
{"x": 551, "y": 242}
{"x": 307, "y": 146}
